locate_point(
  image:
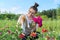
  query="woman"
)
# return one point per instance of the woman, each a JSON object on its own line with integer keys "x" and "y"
{"x": 26, "y": 21}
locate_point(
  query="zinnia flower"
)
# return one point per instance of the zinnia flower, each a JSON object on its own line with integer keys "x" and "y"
{"x": 33, "y": 34}
{"x": 35, "y": 19}
{"x": 21, "y": 36}
{"x": 38, "y": 20}
{"x": 44, "y": 30}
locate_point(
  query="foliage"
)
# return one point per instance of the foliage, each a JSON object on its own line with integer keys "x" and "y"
{"x": 10, "y": 32}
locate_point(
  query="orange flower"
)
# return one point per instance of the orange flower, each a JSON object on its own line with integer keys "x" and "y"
{"x": 44, "y": 30}
{"x": 33, "y": 34}
{"x": 21, "y": 36}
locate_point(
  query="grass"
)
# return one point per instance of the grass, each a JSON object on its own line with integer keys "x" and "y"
{"x": 53, "y": 26}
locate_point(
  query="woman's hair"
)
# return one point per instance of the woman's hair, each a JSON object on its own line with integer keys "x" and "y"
{"x": 35, "y": 7}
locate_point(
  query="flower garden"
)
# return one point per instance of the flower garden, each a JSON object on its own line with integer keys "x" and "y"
{"x": 49, "y": 31}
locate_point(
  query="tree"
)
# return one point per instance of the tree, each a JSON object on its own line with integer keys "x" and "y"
{"x": 58, "y": 11}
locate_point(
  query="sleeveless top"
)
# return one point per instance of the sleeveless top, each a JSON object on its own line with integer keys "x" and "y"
{"x": 27, "y": 29}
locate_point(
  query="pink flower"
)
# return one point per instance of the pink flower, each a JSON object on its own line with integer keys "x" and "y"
{"x": 0, "y": 33}
{"x": 38, "y": 20}
{"x": 35, "y": 20}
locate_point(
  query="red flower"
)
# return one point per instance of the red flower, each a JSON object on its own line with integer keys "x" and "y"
{"x": 38, "y": 20}
{"x": 33, "y": 34}
{"x": 44, "y": 30}
{"x": 21, "y": 36}
{"x": 9, "y": 31}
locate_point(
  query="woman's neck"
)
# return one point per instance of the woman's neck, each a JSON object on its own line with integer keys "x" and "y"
{"x": 29, "y": 17}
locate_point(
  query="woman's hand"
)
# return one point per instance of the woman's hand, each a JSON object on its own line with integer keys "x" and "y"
{"x": 33, "y": 29}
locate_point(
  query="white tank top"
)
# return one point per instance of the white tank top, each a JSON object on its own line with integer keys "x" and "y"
{"x": 23, "y": 26}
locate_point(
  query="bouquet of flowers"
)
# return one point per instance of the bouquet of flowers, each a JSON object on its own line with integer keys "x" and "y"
{"x": 38, "y": 20}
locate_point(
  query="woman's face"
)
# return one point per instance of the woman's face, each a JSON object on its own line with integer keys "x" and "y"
{"x": 31, "y": 12}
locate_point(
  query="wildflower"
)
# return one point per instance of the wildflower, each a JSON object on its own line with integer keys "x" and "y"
{"x": 44, "y": 30}
{"x": 38, "y": 20}
{"x": 33, "y": 34}
{"x": 21, "y": 36}
{"x": 35, "y": 20}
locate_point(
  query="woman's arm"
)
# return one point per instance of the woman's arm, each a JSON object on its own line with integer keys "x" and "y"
{"x": 20, "y": 21}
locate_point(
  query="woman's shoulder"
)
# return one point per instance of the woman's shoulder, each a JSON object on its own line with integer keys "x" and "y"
{"x": 22, "y": 17}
